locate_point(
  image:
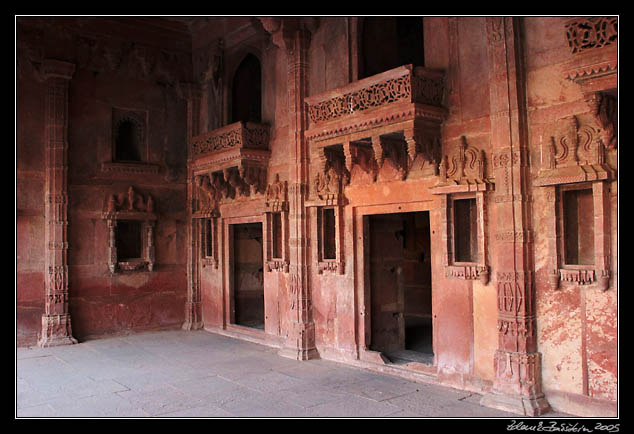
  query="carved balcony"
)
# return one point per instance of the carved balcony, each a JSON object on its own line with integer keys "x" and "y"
{"x": 395, "y": 115}
{"x": 230, "y": 161}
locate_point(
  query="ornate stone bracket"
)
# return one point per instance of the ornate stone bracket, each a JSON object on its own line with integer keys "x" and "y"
{"x": 130, "y": 206}
{"x": 331, "y": 176}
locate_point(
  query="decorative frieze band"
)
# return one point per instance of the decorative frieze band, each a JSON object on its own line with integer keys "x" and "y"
{"x": 237, "y": 135}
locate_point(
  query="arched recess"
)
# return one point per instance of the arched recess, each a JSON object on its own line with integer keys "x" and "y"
{"x": 388, "y": 42}
{"x": 246, "y": 91}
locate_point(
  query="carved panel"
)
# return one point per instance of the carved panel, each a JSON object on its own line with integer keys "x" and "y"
{"x": 591, "y": 33}
{"x": 130, "y": 206}
{"x": 237, "y": 135}
{"x": 573, "y": 153}
{"x": 463, "y": 170}
{"x": 277, "y": 207}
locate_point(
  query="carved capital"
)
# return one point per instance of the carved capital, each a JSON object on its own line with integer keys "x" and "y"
{"x": 52, "y": 68}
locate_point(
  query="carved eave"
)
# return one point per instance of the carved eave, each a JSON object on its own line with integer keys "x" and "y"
{"x": 129, "y": 215}
{"x": 206, "y": 214}
{"x": 130, "y": 168}
{"x": 463, "y": 186}
{"x": 574, "y": 174}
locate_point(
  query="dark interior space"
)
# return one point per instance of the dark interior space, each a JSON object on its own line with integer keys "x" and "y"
{"x": 128, "y": 240}
{"x": 400, "y": 286}
{"x": 248, "y": 279}
{"x": 247, "y": 91}
{"x": 390, "y": 42}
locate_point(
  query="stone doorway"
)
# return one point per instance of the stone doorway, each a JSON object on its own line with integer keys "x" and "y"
{"x": 400, "y": 287}
{"x": 248, "y": 275}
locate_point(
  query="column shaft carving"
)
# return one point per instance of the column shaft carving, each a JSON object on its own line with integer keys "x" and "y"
{"x": 517, "y": 384}
{"x": 300, "y": 342}
{"x": 56, "y": 324}
{"x": 192, "y": 93}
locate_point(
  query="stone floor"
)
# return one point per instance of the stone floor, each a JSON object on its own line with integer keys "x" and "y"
{"x": 179, "y": 374}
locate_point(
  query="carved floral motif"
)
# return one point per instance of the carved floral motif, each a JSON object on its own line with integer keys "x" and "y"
{"x": 590, "y": 33}
{"x": 237, "y": 135}
{"x": 414, "y": 85}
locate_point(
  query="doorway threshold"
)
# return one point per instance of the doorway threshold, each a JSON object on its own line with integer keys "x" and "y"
{"x": 403, "y": 357}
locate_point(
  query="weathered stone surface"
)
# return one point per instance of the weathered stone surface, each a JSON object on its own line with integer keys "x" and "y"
{"x": 511, "y": 113}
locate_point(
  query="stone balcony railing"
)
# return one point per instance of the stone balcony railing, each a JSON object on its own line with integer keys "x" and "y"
{"x": 388, "y": 91}
{"x": 395, "y": 114}
{"x": 239, "y": 135}
{"x": 231, "y": 159}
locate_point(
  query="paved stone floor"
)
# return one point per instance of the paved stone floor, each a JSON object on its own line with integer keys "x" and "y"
{"x": 181, "y": 374}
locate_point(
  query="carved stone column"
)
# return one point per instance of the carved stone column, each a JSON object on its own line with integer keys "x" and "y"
{"x": 517, "y": 384}
{"x": 193, "y": 306}
{"x": 56, "y": 325}
{"x": 300, "y": 342}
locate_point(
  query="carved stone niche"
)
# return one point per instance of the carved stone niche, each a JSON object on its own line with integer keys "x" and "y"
{"x": 130, "y": 218}
{"x": 276, "y": 224}
{"x": 326, "y": 202}
{"x": 463, "y": 184}
{"x": 576, "y": 177}
{"x": 129, "y": 146}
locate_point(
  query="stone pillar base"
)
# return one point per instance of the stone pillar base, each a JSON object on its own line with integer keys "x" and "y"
{"x": 193, "y": 319}
{"x": 56, "y": 331}
{"x": 523, "y": 405}
{"x": 299, "y": 354}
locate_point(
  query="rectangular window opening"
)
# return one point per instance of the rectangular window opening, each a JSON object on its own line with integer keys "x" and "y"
{"x": 208, "y": 245}
{"x": 578, "y": 219}
{"x": 129, "y": 240}
{"x": 328, "y": 229}
{"x": 276, "y": 235}
{"x": 465, "y": 230}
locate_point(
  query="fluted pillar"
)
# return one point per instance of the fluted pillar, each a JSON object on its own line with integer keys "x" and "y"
{"x": 300, "y": 342}
{"x": 517, "y": 364}
{"x": 56, "y": 323}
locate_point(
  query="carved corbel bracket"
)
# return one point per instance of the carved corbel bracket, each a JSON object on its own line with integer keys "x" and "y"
{"x": 331, "y": 176}
{"x": 394, "y": 150}
{"x": 361, "y": 153}
{"x": 209, "y": 189}
{"x": 604, "y": 107}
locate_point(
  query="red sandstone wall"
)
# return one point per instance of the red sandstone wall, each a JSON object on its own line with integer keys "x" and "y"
{"x": 577, "y": 325}
{"x": 145, "y": 65}
{"x": 30, "y": 224}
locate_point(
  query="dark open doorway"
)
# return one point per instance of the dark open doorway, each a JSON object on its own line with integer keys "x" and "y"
{"x": 400, "y": 286}
{"x": 248, "y": 275}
